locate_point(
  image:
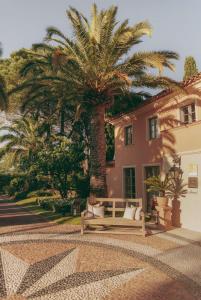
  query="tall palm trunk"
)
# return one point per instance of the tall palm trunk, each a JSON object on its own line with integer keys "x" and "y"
{"x": 97, "y": 153}
{"x": 62, "y": 121}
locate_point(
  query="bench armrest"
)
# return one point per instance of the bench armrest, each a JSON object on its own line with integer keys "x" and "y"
{"x": 83, "y": 213}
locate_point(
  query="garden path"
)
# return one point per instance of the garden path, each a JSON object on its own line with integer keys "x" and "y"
{"x": 17, "y": 218}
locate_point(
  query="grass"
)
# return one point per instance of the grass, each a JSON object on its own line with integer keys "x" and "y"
{"x": 31, "y": 204}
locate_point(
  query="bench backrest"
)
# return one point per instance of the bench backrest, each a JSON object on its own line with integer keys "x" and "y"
{"x": 114, "y": 205}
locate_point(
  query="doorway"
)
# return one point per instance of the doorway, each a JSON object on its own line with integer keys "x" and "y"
{"x": 150, "y": 171}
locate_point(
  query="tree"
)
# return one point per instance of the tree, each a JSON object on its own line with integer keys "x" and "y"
{"x": 9, "y": 71}
{"x": 95, "y": 67}
{"x": 21, "y": 139}
{"x": 61, "y": 161}
{"x": 3, "y": 95}
{"x": 190, "y": 67}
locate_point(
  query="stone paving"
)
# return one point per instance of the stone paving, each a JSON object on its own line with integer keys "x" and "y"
{"x": 56, "y": 262}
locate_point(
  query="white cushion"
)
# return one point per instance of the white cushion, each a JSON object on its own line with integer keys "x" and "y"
{"x": 98, "y": 211}
{"x": 129, "y": 213}
{"x": 90, "y": 208}
{"x": 137, "y": 213}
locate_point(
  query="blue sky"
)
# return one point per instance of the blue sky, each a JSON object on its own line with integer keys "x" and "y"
{"x": 176, "y": 23}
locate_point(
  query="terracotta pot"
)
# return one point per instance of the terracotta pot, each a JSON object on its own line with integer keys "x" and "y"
{"x": 162, "y": 201}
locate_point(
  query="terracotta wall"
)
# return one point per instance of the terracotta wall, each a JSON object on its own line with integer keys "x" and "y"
{"x": 174, "y": 138}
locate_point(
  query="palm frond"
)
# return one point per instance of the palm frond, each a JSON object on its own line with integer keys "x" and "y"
{"x": 151, "y": 81}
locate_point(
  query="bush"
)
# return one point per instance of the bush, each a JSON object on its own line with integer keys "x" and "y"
{"x": 56, "y": 205}
{"x": 20, "y": 195}
{"x": 5, "y": 180}
{"x": 39, "y": 193}
{"x": 82, "y": 186}
{"x": 83, "y": 204}
{"x": 18, "y": 184}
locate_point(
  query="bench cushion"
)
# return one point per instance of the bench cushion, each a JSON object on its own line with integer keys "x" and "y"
{"x": 138, "y": 213}
{"x": 96, "y": 210}
{"x": 129, "y": 213}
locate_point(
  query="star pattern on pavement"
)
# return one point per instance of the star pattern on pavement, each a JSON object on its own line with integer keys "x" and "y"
{"x": 56, "y": 278}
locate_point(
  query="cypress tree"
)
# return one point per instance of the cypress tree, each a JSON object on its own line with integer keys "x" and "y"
{"x": 190, "y": 67}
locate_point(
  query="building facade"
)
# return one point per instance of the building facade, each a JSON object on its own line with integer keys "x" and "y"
{"x": 147, "y": 139}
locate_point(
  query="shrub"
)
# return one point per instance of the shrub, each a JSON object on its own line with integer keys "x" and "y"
{"x": 39, "y": 193}
{"x": 20, "y": 195}
{"x": 5, "y": 180}
{"x": 56, "y": 205}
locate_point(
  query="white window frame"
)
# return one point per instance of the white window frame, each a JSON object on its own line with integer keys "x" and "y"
{"x": 129, "y": 125}
{"x": 181, "y": 112}
{"x": 123, "y": 178}
{"x": 148, "y": 130}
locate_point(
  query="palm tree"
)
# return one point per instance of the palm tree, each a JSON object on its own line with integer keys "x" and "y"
{"x": 96, "y": 65}
{"x": 3, "y": 95}
{"x": 21, "y": 139}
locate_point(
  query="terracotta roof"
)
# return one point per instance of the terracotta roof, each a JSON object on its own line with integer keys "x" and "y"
{"x": 158, "y": 96}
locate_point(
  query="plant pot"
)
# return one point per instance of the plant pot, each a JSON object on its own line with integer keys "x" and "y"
{"x": 162, "y": 201}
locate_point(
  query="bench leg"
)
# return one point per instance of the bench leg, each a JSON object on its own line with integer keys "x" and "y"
{"x": 82, "y": 227}
{"x": 144, "y": 229}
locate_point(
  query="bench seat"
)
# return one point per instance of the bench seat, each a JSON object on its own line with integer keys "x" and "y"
{"x": 110, "y": 221}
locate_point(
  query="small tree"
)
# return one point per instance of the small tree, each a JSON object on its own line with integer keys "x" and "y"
{"x": 190, "y": 67}
{"x": 61, "y": 162}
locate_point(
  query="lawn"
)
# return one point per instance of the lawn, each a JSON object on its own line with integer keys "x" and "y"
{"x": 31, "y": 204}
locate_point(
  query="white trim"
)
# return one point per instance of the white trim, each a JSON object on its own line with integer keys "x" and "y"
{"x": 122, "y": 179}
{"x": 155, "y": 115}
{"x": 124, "y": 129}
{"x": 188, "y": 102}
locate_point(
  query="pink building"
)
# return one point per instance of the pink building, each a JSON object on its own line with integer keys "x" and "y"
{"x": 146, "y": 140}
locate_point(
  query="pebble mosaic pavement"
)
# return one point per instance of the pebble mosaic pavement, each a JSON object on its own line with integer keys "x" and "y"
{"x": 56, "y": 262}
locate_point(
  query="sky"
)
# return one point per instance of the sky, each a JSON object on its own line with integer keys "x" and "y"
{"x": 176, "y": 23}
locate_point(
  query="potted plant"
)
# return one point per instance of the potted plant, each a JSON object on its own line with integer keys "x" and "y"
{"x": 157, "y": 185}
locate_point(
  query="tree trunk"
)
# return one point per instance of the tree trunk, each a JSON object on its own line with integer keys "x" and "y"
{"x": 97, "y": 153}
{"x": 62, "y": 121}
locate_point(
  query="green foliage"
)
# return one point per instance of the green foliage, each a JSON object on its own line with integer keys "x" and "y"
{"x": 110, "y": 142}
{"x": 127, "y": 102}
{"x": 66, "y": 79}
{"x": 5, "y": 180}
{"x": 22, "y": 139}
{"x": 172, "y": 187}
{"x": 80, "y": 184}
{"x": 39, "y": 193}
{"x": 156, "y": 184}
{"x": 61, "y": 162}
{"x": 176, "y": 189}
{"x": 9, "y": 70}
{"x": 64, "y": 207}
{"x": 190, "y": 67}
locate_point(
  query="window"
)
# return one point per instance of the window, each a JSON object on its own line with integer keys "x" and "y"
{"x": 129, "y": 183}
{"x": 128, "y": 135}
{"x": 153, "y": 128}
{"x": 188, "y": 113}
